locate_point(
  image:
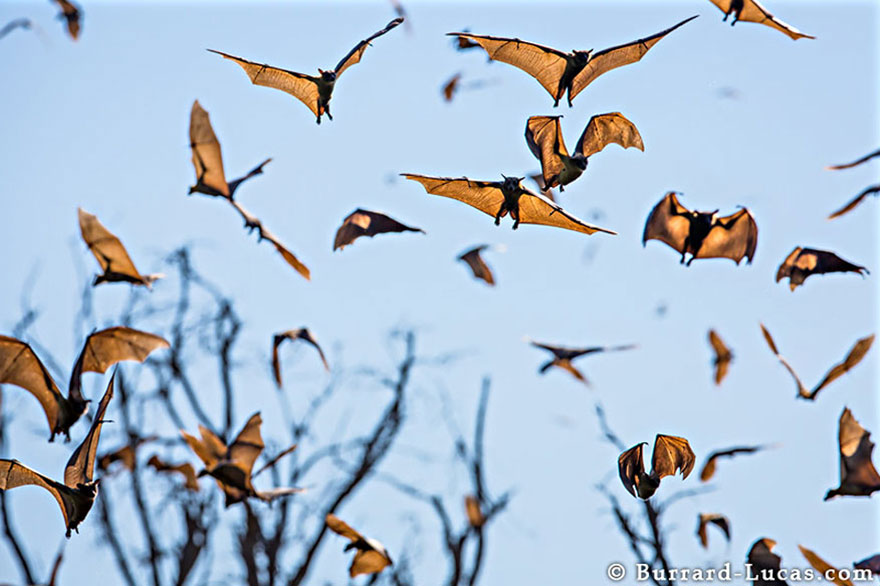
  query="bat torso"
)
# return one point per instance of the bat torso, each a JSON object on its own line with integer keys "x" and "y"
{"x": 78, "y": 502}
{"x": 701, "y": 223}
{"x": 574, "y": 168}
{"x": 574, "y": 64}
{"x": 325, "y": 82}
{"x": 512, "y": 191}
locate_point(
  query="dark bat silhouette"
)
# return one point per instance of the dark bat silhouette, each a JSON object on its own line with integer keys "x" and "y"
{"x": 708, "y": 470}
{"x": 111, "y": 255}
{"x": 544, "y": 137}
{"x": 671, "y": 454}
{"x": 363, "y": 222}
{"x": 126, "y": 455}
{"x": 77, "y": 495}
{"x": 72, "y": 15}
{"x": 299, "y": 334}
{"x": 765, "y": 564}
{"x": 872, "y": 563}
{"x": 20, "y": 366}
{"x": 723, "y": 356}
{"x": 314, "y": 92}
{"x": 855, "y": 163}
{"x": 562, "y": 357}
{"x": 858, "y": 476}
{"x": 872, "y": 190}
{"x": 828, "y": 572}
{"x": 702, "y": 234}
{"x": 706, "y": 519}
{"x": 804, "y": 262}
{"x": 24, "y": 24}
{"x": 185, "y": 469}
{"x": 463, "y": 43}
{"x": 558, "y": 71}
{"x": 853, "y": 357}
{"x": 477, "y": 265}
{"x": 498, "y": 198}
{"x": 474, "y": 513}
{"x": 371, "y": 556}
{"x": 751, "y": 11}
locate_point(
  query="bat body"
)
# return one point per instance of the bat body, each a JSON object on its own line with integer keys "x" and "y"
{"x": 706, "y": 519}
{"x": 708, "y": 470}
{"x": 751, "y": 11}
{"x": 474, "y": 513}
{"x": 363, "y": 222}
{"x": 702, "y": 234}
{"x": 477, "y": 265}
{"x": 765, "y": 564}
{"x": 313, "y": 91}
{"x": 804, "y": 262}
{"x": 292, "y": 335}
{"x": 71, "y": 14}
{"x": 558, "y": 167}
{"x": 563, "y": 357}
{"x": 370, "y": 557}
{"x": 499, "y": 198}
{"x": 723, "y": 356}
{"x": 559, "y": 72}
{"x": 858, "y": 476}
{"x": 111, "y": 255}
{"x": 671, "y": 455}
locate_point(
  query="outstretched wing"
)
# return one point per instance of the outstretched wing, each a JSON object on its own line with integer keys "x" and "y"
{"x": 734, "y": 237}
{"x": 631, "y": 465}
{"x": 544, "y": 137}
{"x": 106, "y": 247}
{"x": 855, "y": 163}
{"x": 754, "y": 12}
{"x": 855, "y": 355}
{"x": 486, "y": 196}
{"x": 247, "y": 446}
{"x": 604, "y": 129}
{"x": 367, "y": 223}
{"x": 823, "y": 567}
{"x": 14, "y": 474}
{"x": 368, "y": 561}
{"x": 185, "y": 469}
{"x": 477, "y": 265}
{"x": 668, "y": 222}
{"x": 872, "y": 190}
{"x": 671, "y": 454}
{"x": 206, "y": 155}
{"x": 802, "y": 391}
{"x": 258, "y": 170}
{"x": 709, "y": 467}
{"x": 210, "y": 449}
{"x": 809, "y": 261}
{"x": 723, "y": 356}
{"x": 253, "y": 222}
{"x": 340, "y": 527}
{"x": 80, "y": 468}
{"x": 20, "y": 366}
{"x": 354, "y": 56}
{"x": 298, "y": 334}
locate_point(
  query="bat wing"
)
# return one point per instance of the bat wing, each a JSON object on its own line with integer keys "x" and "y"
{"x": 872, "y": 563}
{"x": 367, "y": 223}
{"x": 20, "y": 366}
{"x": 80, "y": 468}
{"x": 486, "y": 196}
{"x": 72, "y": 15}
{"x": 708, "y": 470}
{"x": 450, "y": 87}
{"x": 185, "y": 469}
{"x": 14, "y": 474}
{"x": 856, "y": 448}
{"x": 762, "y": 558}
{"x": 270, "y": 495}
{"x": 340, "y": 527}
{"x": 631, "y": 465}
{"x": 477, "y": 265}
{"x": 354, "y": 56}
{"x": 855, "y": 355}
{"x": 823, "y": 567}
{"x": 734, "y": 237}
{"x": 247, "y": 446}
{"x": 855, "y": 163}
{"x": 872, "y": 190}
{"x": 803, "y": 262}
{"x": 369, "y": 561}
{"x": 253, "y": 222}
{"x": 604, "y": 129}
{"x": 537, "y": 209}
{"x": 667, "y": 224}
{"x": 719, "y": 521}
{"x": 544, "y": 137}
{"x": 614, "y": 57}
{"x": 107, "y": 248}
{"x": 723, "y": 356}
{"x": 754, "y": 12}
{"x": 210, "y": 449}
{"x": 709, "y": 467}
{"x": 299, "y": 334}
{"x": 802, "y": 390}
{"x": 258, "y": 170}
{"x": 566, "y": 365}
{"x": 207, "y": 157}
{"x": 671, "y": 454}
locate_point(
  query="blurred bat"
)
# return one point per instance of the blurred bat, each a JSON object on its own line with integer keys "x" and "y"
{"x": 708, "y": 470}
{"x": 454, "y": 84}
{"x": 751, "y": 11}
{"x": 72, "y": 15}
{"x": 400, "y": 11}
{"x": 827, "y": 571}
{"x": 765, "y": 564}
{"x": 126, "y": 455}
{"x": 557, "y": 71}
{"x": 872, "y": 563}
{"x": 858, "y": 476}
{"x": 371, "y": 556}
{"x": 475, "y": 516}
{"x": 872, "y": 190}
{"x": 24, "y": 24}
{"x": 185, "y": 469}
{"x": 498, "y": 198}
{"x": 706, "y": 519}
{"x": 671, "y": 454}
{"x": 314, "y": 92}
{"x": 363, "y": 222}
{"x": 855, "y": 163}
{"x": 702, "y": 234}
{"x": 77, "y": 495}
{"x": 544, "y": 137}
{"x": 855, "y": 355}
{"x": 477, "y": 265}
{"x": 464, "y": 43}
{"x": 723, "y": 356}
{"x": 562, "y": 357}
{"x": 115, "y": 263}
{"x": 804, "y": 262}
{"x": 299, "y": 334}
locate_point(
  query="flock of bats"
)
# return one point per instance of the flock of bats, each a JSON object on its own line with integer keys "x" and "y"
{"x": 692, "y": 234}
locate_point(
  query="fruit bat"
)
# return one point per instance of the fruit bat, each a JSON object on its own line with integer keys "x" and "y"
{"x": 872, "y": 564}
{"x": 314, "y": 92}
{"x": 126, "y": 455}
{"x": 115, "y": 263}
{"x": 475, "y": 516}
{"x": 454, "y": 84}
{"x": 702, "y": 234}
{"x": 22, "y": 23}
{"x": 764, "y": 564}
{"x": 804, "y": 262}
{"x": 363, "y": 222}
{"x": 299, "y": 334}
{"x": 705, "y": 519}
{"x": 872, "y": 190}
{"x": 557, "y": 71}
{"x": 464, "y": 43}
{"x": 72, "y": 15}
{"x": 855, "y": 163}
{"x": 562, "y": 357}
{"x": 723, "y": 356}
{"x": 371, "y": 556}
{"x": 185, "y": 469}
{"x": 232, "y": 466}
{"x": 751, "y": 11}
{"x": 827, "y": 571}
{"x": 20, "y": 366}
{"x": 708, "y": 470}
{"x": 671, "y": 454}
{"x": 477, "y": 265}
{"x": 858, "y": 476}
{"x": 498, "y": 198}
{"x": 855, "y": 355}
{"x": 544, "y": 137}
{"x": 77, "y": 495}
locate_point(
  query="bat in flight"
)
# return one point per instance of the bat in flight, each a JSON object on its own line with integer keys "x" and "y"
{"x": 671, "y": 455}
{"x": 872, "y": 563}
{"x": 363, "y": 222}
{"x": 184, "y": 469}
{"x": 72, "y": 15}
{"x": 292, "y": 335}
{"x": 371, "y": 556}
{"x": 871, "y": 190}
{"x": 126, "y": 455}
{"x": 764, "y": 562}
{"x": 708, "y": 470}
{"x": 498, "y": 198}
{"x": 828, "y": 571}
{"x": 853, "y": 357}
{"x": 557, "y": 71}
{"x": 478, "y": 266}
{"x": 855, "y": 163}
{"x": 804, "y": 262}
{"x": 723, "y": 356}
{"x": 706, "y": 519}
{"x": 78, "y": 492}
{"x": 313, "y": 91}
{"x": 20, "y": 366}
{"x": 454, "y": 84}
{"x": 558, "y": 168}
{"x": 232, "y": 466}
{"x": 751, "y": 11}
{"x": 702, "y": 234}
{"x": 24, "y": 24}
{"x": 111, "y": 255}
{"x": 858, "y": 476}
{"x": 563, "y": 357}
{"x": 474, "y": 513}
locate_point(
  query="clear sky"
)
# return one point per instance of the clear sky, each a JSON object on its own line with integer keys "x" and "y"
{"x": 729, "y": 116}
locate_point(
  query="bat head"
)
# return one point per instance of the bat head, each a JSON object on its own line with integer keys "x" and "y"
{"x": 511, "y": 183}
{"x": 328, "y": 76}
{"x": 582, "y": 57}
{"x": 580, "y": 161}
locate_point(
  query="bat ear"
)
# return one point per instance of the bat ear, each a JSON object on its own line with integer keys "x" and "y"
{"x": 505, "y": 176}
{"x": 321, "y": 71}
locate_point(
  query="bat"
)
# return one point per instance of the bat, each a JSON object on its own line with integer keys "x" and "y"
{"x": 751, "y": 11}
{"x": 454, "y": 84}
{"x": 314, "y": 92}
{"x": 185, "y": 469}
{"x": 126, "y": 455}
{"x": 764, "y": 564}
{"x": 828, "y": 572}
{"x": 371, "y": 556}
{"x": 804, "y": 262}
{"x": 20, "y": 366}
{"x": 72, "y": 15}
{"x": 111, "y": 255}
{"x": 464, "y": 43}
{"x": 544, "y": 137}
{"x": 708, "y": 470}
{"x": 858, "y": 476}
{"x": 855, "y": 163}
{"x": 557, "y": 71}
{"x": 78, "y": 492}
{"x": 299, "y": 334}
{"x": 671, "y": 455}
{"x": 853, "y": 357}
{"x": 872, "y": 190}
{"x": 702, "y": 234}
{"x": 871, "y": 564}
{"x": 562, "y": 357}
{"x": 24, "y": 24}
{"x": 706, "y": 519}
{"x": 475, "y": 516}
{"x": 477, "y": 265}
{"x": 363, "y": 222}
{"x": 498, "y": 198}
{"x": 723, "y": 356}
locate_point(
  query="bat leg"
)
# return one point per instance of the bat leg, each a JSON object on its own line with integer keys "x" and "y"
{"x": 561, "y": 186}
{"x": 556, "y": 103}
{"x": 515, "y": 215}
{"x": 683, "y": 254}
